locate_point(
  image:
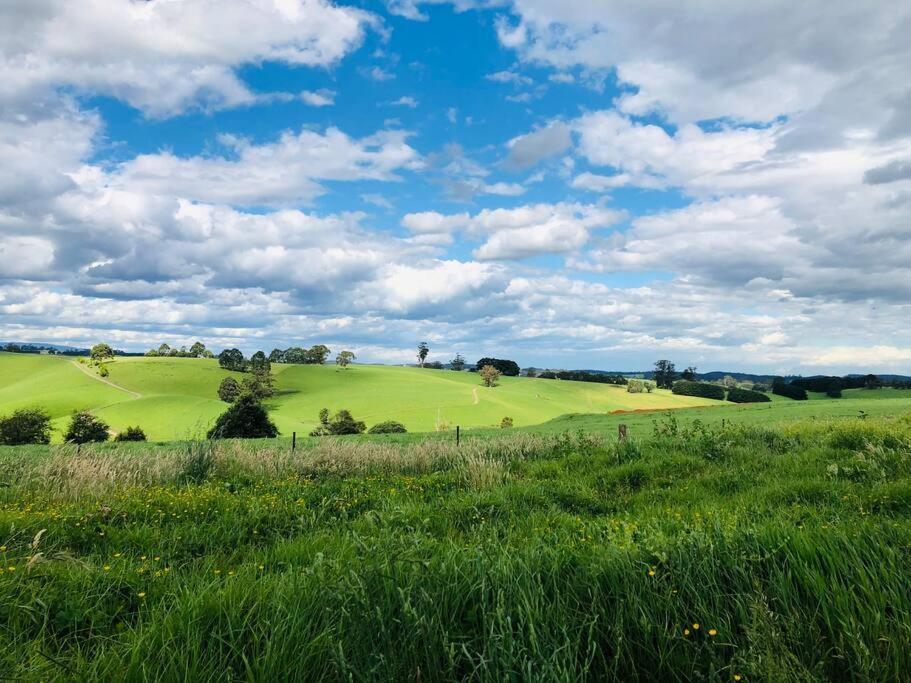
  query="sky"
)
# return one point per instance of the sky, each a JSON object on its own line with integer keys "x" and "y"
{"x": 566, "y": 183}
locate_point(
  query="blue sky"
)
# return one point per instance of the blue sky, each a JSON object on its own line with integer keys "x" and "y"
{"x": 567, "y": 183}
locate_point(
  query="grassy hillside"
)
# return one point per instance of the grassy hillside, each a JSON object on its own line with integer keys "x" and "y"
{"x": 176, "y": 397}
{"x": 719, "y": 554}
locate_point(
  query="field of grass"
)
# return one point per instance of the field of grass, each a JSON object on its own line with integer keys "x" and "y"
{"x": 177, "y": 396}
{"x": 685, "y": 553}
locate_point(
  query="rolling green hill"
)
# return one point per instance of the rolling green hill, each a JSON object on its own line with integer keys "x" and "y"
{"x": 176, "y": 397}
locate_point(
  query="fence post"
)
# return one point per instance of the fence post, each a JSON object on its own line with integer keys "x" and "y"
{"x": 621, "y": 432}
{"x": 293, "y": 441}
{"x": 457, "y": 434}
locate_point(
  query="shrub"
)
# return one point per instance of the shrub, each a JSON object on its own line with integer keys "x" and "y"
{"x": 131, "y": 434}
{"x": 506, "y": 423}
{"x": 245, "y": 419}
{"x": 789, "y": 391}
{"x": 684, "y": 387}
{"x": 635, "y": 386}
{"x": 228, "y": 390}
{"x": 25, "y": 426}
{"x": 85, "y": 428}
{"x": 342, "y": 422}
{"x": 489, "y": 375}
{"x": 388, "y": 427}
{"x": 736, "y": 395}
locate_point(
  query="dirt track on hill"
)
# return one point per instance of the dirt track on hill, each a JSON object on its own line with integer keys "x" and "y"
{"x": 82, "y": 368}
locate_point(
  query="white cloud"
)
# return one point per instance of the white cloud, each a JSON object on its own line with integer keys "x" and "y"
{"x": 163, "y": 57}
{"x": 319, "y": 98}
{"x": 286, "y": 172}
{"x": 405, "y": 101}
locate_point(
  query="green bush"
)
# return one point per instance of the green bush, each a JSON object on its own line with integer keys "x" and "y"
{"x": 388, "y": 427}
{"x": 685, "y": 387}
{"x": 85, "y": 428}
{"x": 341, "y": 423}
{"x": 506, "y": 423}
{"x": 245, "y": 419}
{"x": 228, "y": 390}
{"x": 25, "y": 426}
{"x": 131, "y": 434}
{"x": 736, "y": 395}
{"x": 789, "y": 391}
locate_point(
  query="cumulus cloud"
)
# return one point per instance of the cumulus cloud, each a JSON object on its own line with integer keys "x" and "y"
{"x": 163, "y": 57}
{"x": 285, "y": 172}
{"x": 521, "y": 232}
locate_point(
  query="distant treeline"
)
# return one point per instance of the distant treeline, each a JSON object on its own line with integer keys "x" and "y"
{"x": 295, "y": 355}
{"x": 583, "y": 376}
{"x": 54, "y": 351}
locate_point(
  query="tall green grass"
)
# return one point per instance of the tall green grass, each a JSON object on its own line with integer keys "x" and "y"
{"x": 523, "y": 557}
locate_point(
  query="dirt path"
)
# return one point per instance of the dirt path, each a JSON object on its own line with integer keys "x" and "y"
{"x": 134, "y": 394}
{"x": 474, "y": 392}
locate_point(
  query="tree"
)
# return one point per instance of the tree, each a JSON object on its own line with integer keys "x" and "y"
{"x": 664, "y": 374}
{"x": 531, "y": 372}
{"x": 277, "y": 356}
{"x": 689, "y": 374}
{"x": 246, "y": 418}
{"x": 507, "y": 367}
{"x": 423, "y": 350}
{"x": 164, "y": 350}
{"x": 727, "y": 381}
{"x": 232, "y": 359}
{"x": 457, "y": 363}
{"x": 635, "y": 386}
{"x": 506, "y": 423}
{"x": 259, "y": 384}
{"x": 318, "y": 353}
{"x": 872, "y": 382}
{"x": 344, "y": 358}
{"x": 101, "y": 352}
{"x": 198, "y": 349}
{"x": 228, "y": 390}
{"x": 84, "y": 428}
{"x": 259, "y": 364}
{"x": 131, "y": 434}
{"x": 489, "y": 375}
{"x": 649, "y": 386}
{"x": 25, "y": 426}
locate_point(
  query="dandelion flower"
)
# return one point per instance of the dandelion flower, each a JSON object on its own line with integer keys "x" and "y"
{"x": 686, "y": 631}
{"x": 713, "y": 632}
{"x": 2, "y": 548}
{"x": 141, "y": 595}
{"x": 695, "y": 627}
{"x": 737, "y": 677}
{"x": 107, "y": 567}
{"x": 651, "y": 572}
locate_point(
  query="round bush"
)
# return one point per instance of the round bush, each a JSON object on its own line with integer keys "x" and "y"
{"x": 245, "y": 419}
{"x": 388, "y": 427}
{"x": 131, "y": 434}
{"x": 86, "y": 428}
{"x": 25, "y": 426}
{"x": 736, "y": 395}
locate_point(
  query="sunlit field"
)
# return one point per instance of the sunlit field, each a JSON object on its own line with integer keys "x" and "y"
{"x": 736, "y": 552}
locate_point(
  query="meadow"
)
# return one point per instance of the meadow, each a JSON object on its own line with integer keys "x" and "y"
{"x": 688, "y": 552}
{"x": 176, "y": 398}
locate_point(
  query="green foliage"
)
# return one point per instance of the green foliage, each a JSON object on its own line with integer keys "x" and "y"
{"x": 736, "y": 395}
{"x": 232, "y": 359}
{"x": 423, "y": 350}
{"x": 101, "y": 352}
{"x": 791, "y": 391}
{"x": 228, "y": 390}
{"x": 490, "y": 376}
{"x": 25, "y": 426}
{"x": 131, "y": 434}
{"x": 635, "y": 386}
{"x": 85, "y": 428}
{"x": 344, "y": 358}
{"x": 388, "y": 427}
{"x": 506, "y": 423}
{"x": 246, "y": 418}
{"x": 664, "y": 374}
{"x": 458, "y": 363}
{"x": 508, "y": 368}
{"x": 260, "y": 384}
{"x": 339, "y": 424}
{"x": 684, "y": 387}
{"x": 103, "y": 371}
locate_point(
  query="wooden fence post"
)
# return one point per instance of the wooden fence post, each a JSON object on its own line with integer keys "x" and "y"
{"x": 293, "y": 440}
{"x": 458, "y": 429}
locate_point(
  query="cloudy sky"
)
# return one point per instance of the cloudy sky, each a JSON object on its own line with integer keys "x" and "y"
{"x": 575, "y": 183}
